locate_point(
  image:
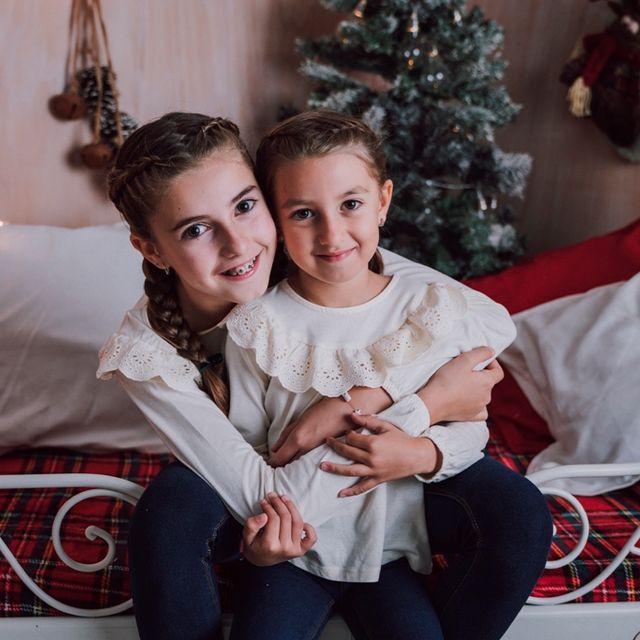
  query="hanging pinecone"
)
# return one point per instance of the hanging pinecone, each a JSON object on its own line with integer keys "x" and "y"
{"x": 92, "y": 90}
{"x": 88, "y": 89}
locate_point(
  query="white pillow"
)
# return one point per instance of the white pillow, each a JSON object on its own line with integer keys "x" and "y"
{"x": 62, "y": 293}
{"x": 577, "y": 359}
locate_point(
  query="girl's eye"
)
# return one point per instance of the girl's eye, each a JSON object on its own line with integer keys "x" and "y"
{"x": 351, "y": 205}
{"x": 244, "y": 206}
{"x": 194, "y": 231}
{"x": 302, "y": 214}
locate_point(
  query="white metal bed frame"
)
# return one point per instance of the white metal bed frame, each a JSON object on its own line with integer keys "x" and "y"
{"x": 549, "y": 618}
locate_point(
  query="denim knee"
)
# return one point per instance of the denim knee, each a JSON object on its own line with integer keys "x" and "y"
{"x": 178, "y": 505}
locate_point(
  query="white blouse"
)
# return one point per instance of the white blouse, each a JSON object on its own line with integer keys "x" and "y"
{"x": 164, "y": 386}
{"x": 285, "y": 353}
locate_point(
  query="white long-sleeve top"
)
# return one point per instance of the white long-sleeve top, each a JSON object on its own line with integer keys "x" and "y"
{"x": 164, "y": 386}
{"x": 285, "y": 353}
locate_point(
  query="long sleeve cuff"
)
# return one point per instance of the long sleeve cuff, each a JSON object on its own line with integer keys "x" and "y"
{"x": 461, "y": 445}
{"x": 409, "y": 414}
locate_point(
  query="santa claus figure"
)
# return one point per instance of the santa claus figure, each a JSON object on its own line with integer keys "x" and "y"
{"x": 604, "y": 79}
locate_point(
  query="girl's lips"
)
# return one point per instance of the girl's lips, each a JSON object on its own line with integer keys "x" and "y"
{"x": 245, "y": 275}
{"x": 336, "y": 256}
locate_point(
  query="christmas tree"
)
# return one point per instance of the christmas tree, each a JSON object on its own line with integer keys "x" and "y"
{"x": 426, "y": 74}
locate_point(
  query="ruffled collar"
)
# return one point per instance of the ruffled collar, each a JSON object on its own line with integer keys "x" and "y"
{"x": 332, "y": 370}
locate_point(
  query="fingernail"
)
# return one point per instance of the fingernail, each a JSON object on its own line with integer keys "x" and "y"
{"x": 284, "y": 498}
{"x": 324, "y": 466}
{"x": 271, "y": 495}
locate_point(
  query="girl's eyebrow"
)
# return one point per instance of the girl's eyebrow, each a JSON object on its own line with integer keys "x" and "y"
{"x": 243, "y": 193}
{"x": 186, "y": 221}
{"x": 295, "y": 202}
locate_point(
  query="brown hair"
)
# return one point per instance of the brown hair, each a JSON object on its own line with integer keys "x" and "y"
{"x": 317, "y": 133}
{"x": 147, "y": 162}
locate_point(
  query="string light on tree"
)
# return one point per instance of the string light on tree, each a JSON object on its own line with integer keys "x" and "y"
{"x": 413, "y": 52}
{"x": 361, "y": 7}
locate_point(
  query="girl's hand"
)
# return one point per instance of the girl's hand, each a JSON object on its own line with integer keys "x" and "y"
{"x": 328, "y": 417}
{"x": 458, "y": 393}
{"x": 276, "y": 534}
{"x": 387, "y": 454}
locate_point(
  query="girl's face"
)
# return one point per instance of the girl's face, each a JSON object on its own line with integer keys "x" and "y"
{"x": 329, "y": 209}
{"x": 215, "y": 231}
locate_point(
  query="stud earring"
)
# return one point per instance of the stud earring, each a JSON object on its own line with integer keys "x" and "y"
{"x": 167, "y": 271}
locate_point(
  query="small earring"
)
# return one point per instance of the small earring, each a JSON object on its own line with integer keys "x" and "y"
{"x": 167, "y": 271}
{"x": 381, "y": 223}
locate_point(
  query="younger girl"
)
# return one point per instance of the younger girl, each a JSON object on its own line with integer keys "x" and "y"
{"x": 338, "y": 322}
{"x": 185, "y": 186}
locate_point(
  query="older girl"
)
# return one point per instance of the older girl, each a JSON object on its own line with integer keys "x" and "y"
{"x": 185, "y": 186}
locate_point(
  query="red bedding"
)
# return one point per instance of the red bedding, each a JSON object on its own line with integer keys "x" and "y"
{"x": 26, "y": 517}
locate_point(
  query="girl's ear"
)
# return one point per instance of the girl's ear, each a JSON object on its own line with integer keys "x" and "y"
{"x": 386, "y": 191}
{"x": 148, "y": 249}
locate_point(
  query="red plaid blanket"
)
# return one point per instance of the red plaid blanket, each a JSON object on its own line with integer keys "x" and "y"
{"x": 26, "y": 518}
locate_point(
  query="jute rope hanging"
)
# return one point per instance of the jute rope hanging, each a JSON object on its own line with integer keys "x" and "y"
{"x": 90, "y": 85}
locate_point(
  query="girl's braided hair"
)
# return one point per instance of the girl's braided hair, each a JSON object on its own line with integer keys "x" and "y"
{"x": 150, "y": 158}
{"x": 319, "y": 132}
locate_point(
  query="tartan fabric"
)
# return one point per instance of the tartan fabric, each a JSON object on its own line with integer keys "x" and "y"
{"x": 26, "y": 518}
{"x": 613, "y": 518}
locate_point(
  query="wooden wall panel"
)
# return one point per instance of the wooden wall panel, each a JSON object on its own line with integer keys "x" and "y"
{"x": 235, "y": 57}
{"x": 228, "y": 57}
{"x": 579, "y": 186}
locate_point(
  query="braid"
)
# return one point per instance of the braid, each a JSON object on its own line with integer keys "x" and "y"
{"x": 166, "y": 318}
{"x": 220, "y": 124}
{"x": 150, "y": 158}
{"x": 119, "y": 179}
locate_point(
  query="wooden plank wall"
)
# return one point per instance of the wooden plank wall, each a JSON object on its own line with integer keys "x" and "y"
{"x": 235, "y": 57}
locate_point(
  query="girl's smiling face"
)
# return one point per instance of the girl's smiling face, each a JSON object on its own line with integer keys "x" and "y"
{"x": 329, "y": 209}
{"x": 213, "y": 228}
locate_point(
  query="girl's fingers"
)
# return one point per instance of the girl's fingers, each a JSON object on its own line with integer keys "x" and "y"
{"x": 283, "y": 436}
{"x": 284, "y": 515}
{"x": 478, "y": 355}
{"x": 296, "y": 519}
{"x": 351, "y": 470}
{"x": 272, "y": 528}
{"x": 374, "y": 424}
{"x": 496, "y": 371}
{"x": 252, "y": 527}
{"x": 357, "y": 454}
{"x": 309, "y": 539}
{"x": 359, "y": 487}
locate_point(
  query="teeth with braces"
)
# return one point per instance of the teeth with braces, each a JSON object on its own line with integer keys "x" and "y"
{"x": 242, "y": 270}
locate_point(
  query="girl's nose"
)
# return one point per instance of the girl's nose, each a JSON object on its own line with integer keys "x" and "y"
{"x": 234, "y": 243}
{"x": 331, "y": 230}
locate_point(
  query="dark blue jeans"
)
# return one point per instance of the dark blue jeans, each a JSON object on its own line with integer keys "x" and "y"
{"x": 492, "y": 524}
